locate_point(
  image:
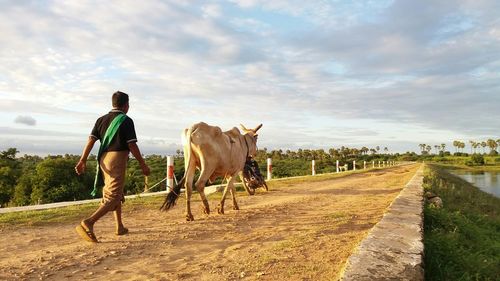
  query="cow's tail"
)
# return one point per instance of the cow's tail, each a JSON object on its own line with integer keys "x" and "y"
{"x": 173, "y": 195}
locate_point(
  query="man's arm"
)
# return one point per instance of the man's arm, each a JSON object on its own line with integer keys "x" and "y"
{"x": 137, "y": 154}
{"x": 82, "y": 164}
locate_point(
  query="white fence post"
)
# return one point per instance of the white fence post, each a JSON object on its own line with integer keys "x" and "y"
{"x": 337, "y": 162}
{"x": 373, "y": 164}
{"x": 170, "y": 173}
{"x": 313, "y": 167}
{"x": 364, "y": 165}
{"x": 269, "y": 168}
{"x": 354, "y": 165}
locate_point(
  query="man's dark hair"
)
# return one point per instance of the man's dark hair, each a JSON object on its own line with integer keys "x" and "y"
{"x": 120, "y": 99}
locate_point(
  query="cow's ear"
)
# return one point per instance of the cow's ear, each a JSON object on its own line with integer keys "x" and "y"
{"x": 257, "y": 128}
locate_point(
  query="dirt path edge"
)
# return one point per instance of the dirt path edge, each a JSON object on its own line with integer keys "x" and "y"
{"x": 393, "y": 249}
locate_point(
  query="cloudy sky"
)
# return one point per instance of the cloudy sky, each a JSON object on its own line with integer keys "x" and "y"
{"x": 317, "y": 74}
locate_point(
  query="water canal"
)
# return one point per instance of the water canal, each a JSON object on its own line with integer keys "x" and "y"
{"x": 487, "y": 181}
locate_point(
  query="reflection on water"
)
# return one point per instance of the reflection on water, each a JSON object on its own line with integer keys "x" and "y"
{"x": 487, "y": 181}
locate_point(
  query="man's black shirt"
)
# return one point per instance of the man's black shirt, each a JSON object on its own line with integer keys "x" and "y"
{"x": 124, "y": 136}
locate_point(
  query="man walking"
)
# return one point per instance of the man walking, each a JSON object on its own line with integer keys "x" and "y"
{"x": 116, "y": 133}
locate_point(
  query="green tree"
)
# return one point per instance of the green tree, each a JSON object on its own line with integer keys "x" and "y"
{"x": 23, "y": 190}
{"x": 9, "y": 172}
{"x": 55, "y": 180}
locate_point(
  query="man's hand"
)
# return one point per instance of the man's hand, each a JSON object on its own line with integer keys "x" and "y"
{"x": 82, "y": 164}
{"x": 80, "y": 167}
{"x": 137, "y": 154}
{"x": 145, "y": 169}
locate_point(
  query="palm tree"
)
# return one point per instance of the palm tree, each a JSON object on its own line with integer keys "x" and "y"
{"x": 422, "y": 147}
{"x": 428, "y": 148}
{"x": 443, "y": 146}
{"x": 492, "y": 144}
{"x": 300, "y": 153}
{"x": 386, "y": 149}
{"x": 483, "y": 144}
{"x": 364, "y": 150}
{"x": 436, "y": 147}
{"x": 471, "y": 145}
{"x": 458, "y": 146}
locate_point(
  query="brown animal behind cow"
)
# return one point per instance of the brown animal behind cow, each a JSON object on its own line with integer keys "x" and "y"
{"x": 216, "y": 154}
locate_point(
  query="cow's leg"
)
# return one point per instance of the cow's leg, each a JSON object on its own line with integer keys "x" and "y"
{"x": 206, "y": 172}
{"x": 188, "y": 185}
{"x": 233, "y": 192}
{"x": 200, "y": 186}
{"x": 220, "y": 207}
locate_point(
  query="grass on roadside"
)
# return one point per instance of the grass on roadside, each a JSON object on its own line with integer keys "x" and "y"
{"x": 462, "y": 239}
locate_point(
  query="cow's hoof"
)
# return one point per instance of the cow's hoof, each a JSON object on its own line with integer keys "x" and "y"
{"x": 236, "y": 207}
{"x": 220, "y": 210}
{"x": 189, "y": 217}
{"x": 205, "y": 207}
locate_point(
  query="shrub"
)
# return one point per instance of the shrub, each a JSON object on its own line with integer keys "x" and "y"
{"x": 476, "y": 159}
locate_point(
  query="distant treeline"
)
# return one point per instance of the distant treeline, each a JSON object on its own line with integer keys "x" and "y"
{"x": 30, "y": 180}
{"x": 476, "y": 147}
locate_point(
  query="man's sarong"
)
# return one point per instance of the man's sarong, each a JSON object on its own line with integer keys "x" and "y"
{"x": 114, "y": 166}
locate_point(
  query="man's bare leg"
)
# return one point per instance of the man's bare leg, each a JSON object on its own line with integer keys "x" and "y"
{"x": 98, "y": 214}
{"x": 120, "y": 229}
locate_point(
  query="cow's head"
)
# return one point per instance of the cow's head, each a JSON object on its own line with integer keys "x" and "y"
{"x": 252, "y": 133}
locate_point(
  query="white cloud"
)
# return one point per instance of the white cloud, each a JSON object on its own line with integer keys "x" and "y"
{"x": 431, "y": 64}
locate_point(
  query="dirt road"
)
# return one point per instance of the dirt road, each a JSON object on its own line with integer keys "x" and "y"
{"x": 297, "y": 231}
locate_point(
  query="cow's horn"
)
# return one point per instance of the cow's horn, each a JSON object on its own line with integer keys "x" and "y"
{"x": 243, "y": 127}
{"x": 257, "y": 128}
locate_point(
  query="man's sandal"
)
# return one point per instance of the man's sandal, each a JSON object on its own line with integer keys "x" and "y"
{"x": 86, "y": 233}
